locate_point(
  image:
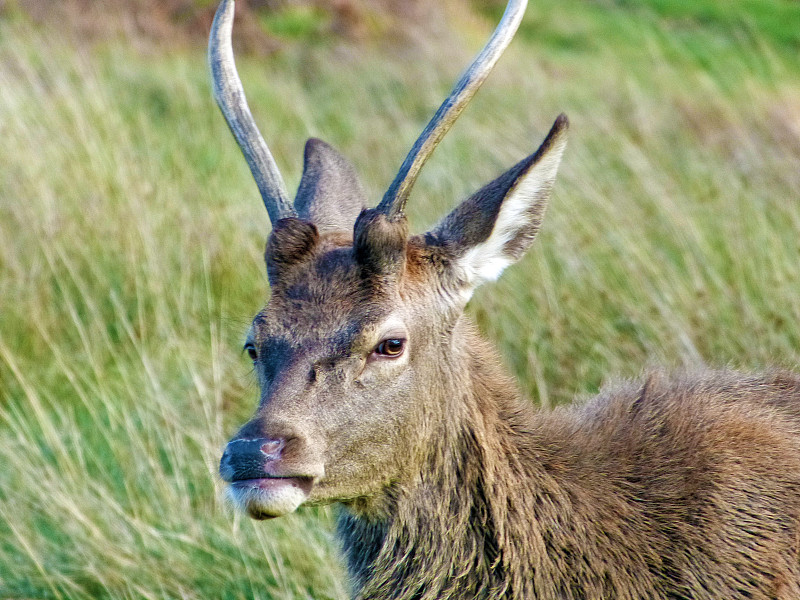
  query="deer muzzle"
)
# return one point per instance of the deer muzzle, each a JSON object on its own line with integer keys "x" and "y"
{"x": 261, "y": 482}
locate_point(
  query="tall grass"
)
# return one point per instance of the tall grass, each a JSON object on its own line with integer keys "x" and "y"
{"x": 131, "y": 239}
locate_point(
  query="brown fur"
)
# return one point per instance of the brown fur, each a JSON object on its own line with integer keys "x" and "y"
{"x": 451, "y": 485}
{"x": 678, "y": 487}
{"x": 378, "y": 395}
{"x": 682, "y": 486}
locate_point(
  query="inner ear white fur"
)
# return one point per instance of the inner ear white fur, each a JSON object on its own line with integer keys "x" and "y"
{"x": 516, "y": 224}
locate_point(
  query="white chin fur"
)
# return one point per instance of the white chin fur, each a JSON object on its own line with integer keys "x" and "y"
{"x": 266, "y": 498}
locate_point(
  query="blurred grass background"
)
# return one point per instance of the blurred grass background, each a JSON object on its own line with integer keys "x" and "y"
{"x": 131, "y": 240}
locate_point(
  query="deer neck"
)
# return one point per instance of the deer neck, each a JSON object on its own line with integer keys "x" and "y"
{"x": 448, "y": 532}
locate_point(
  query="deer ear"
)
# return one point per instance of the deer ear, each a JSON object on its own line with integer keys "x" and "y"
{"x": 496, "y": 225}
{"x": 330, "y": 194}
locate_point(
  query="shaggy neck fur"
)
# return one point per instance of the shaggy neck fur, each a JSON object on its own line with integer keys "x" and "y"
{"x": 446, "y": 536}
{"x": 501, "y": 510}
{"x": 451, "y": 534}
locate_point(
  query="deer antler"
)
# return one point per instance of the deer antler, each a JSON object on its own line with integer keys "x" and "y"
{"x": 229, "y": 94}
{"x": 394, "y": 200}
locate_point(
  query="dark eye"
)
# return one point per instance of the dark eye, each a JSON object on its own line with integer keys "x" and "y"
{"x": 393, "y": 347}
{"x": 250, "y": 348}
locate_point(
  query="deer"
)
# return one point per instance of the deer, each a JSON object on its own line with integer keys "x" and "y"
{"x": 378, "y": 395}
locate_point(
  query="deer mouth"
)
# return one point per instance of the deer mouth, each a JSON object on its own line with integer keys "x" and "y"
{"x": 270, "y": 497}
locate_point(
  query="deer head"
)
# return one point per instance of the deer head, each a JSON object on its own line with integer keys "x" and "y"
{"x": 362, "y": 352}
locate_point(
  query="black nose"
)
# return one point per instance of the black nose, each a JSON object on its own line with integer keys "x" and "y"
{"x": 246, "y": 459}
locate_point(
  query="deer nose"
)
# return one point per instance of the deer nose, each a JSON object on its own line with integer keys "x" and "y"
{"x": 247, "y": 458}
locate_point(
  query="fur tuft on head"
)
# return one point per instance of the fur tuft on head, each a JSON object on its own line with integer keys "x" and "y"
{"x": 379, "y": 243}
{"x": 292, "y": 240}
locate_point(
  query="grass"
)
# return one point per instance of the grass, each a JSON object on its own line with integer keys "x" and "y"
{"x": 131, "y": 238}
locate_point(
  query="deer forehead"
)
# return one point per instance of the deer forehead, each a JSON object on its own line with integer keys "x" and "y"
{"x": 351, "y": 334}
{"x": 331, "y": 282}
{"x": 330, "y": 299}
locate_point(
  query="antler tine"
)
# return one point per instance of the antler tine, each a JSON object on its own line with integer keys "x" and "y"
{"x": 229, "y": 94}
{"x": 394, "y": 200}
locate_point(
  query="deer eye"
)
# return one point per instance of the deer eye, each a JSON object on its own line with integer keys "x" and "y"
{"x": 250, "y": 348}
{"x": 392, "y": 347}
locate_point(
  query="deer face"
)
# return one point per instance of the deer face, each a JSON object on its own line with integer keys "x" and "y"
{"x": 357, "y": 350}
{"x": 336, "y": 351}
{"x": 354, "y": 351}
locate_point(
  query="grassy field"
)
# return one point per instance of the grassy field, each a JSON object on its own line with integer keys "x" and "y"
{"x": 131, "y": 240}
